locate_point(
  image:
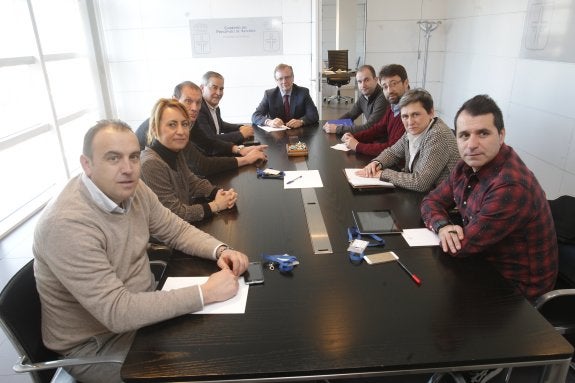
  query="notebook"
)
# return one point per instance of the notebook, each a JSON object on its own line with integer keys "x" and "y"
{"x": 358, "y": 182}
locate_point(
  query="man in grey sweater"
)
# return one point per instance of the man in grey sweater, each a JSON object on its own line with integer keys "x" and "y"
{"x": 371, "y": 103}
{"x": 91, "y": 267}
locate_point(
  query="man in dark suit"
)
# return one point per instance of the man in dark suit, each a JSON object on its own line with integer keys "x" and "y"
{"x": 287, "y": 104}
{"x": 210, "y": 118}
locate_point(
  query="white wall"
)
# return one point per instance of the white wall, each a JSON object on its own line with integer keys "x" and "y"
{"x": 474, "y": 51}
{"x": 483, "y": 41}
{"x": 149, "y": 51}
{"x": 394, "y": 37}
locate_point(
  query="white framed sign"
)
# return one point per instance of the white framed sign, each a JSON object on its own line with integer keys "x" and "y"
{"x": 549, "y": 31}
{"x": 257, "y": 36}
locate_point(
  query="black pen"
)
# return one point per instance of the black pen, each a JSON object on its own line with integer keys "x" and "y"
{"x": 411, "y": 275}
{"x": 295, "y": 179}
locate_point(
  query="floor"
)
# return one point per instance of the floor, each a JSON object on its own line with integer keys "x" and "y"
{"x": 16, "y": 250}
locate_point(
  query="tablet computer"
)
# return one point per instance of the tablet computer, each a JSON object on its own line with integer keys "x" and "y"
{"x": 376, "y": 222}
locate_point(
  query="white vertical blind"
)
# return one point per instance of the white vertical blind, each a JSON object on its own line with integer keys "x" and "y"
{"x": 48, "y": 98}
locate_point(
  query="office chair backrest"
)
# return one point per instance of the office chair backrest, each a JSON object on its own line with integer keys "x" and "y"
{"x": 337, "y": 59}
{"x": 563, "y": 211}
{"x": 20, "y": 318}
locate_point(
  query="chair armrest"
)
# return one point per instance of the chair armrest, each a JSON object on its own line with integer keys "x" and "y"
{"x": 24, "y": 366}
{"x": 551, "y": 295}
{"x": 158, "y": 268}
{"x": 557, "y": 307}
{"x": 157, "y": 251}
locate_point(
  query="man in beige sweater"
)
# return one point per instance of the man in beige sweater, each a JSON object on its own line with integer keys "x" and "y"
{"x": 91, "y": 267}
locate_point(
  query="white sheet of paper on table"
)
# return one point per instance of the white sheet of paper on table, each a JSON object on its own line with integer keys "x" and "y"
{"x": 341, "y": 147}
{"x": 420, "y": 237}
{"x": 269, "y": 129}
{"x": 308, "y": 179}
{"x": 234, "y": 305}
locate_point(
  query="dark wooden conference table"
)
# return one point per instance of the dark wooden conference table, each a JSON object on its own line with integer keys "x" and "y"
{"x": 331, "y": 318}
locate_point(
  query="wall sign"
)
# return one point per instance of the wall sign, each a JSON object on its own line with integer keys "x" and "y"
{"x": 257, "y": 36}
{"x": 549, "y": 31}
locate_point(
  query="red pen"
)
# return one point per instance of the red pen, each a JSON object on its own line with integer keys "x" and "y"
{"x": 411, "y": 275}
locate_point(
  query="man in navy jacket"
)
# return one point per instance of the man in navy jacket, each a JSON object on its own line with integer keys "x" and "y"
{"x": 293, "y": 111}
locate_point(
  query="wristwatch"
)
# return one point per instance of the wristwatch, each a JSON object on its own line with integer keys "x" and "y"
{"x": 240, "y": 147}
{"x": 221, "y": 249}
{"x": 440, "y": 224}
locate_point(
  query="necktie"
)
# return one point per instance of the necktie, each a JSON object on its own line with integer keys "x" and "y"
{"x": 286, "y": 107}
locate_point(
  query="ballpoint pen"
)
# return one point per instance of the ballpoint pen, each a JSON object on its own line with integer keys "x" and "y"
{"x": 411, "y": 275}
{"x": 295, "y": 179}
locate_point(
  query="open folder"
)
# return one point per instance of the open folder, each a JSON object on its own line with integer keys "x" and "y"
{"x": 358, "y": 182}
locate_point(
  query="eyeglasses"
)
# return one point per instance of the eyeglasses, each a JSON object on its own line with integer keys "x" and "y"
{"x": 280, "y": 79}
{"x": 392, "y": 84}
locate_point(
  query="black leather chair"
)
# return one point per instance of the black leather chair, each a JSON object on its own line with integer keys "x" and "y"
{"x": 558, "y": 306}
{"x": 20, "y": 318}
{"x": 563, "y": 210}
{"x": 337, "y": 62}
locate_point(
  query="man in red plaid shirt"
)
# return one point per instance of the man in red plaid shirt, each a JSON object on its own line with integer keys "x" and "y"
{"x": 505, "y": 215}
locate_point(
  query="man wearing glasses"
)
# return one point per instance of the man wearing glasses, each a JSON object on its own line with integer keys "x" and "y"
{"x": 287, "y": 104}
{"x": 387, "y": 131}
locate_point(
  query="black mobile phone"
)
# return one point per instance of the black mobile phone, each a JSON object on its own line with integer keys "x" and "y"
{"x": 254, "y": 274}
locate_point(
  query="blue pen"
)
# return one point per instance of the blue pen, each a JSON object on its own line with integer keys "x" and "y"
{"x": 295, "y": 179}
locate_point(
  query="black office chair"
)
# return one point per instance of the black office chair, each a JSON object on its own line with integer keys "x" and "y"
{"x": 563, "y": 211}
{"x": 159, "y": 256}
{"x": 337, "y": 62}
{"x": 558, "y": 306}
{"x": 20, "y": 318}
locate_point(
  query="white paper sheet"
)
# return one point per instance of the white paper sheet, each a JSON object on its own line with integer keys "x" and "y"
{"x": 341, "y": 147}
{"x": 302, "y": 179}
{"x": 235, "y": 305}
{"x": 420, "y": 237}
{"x": 269, "y": 129}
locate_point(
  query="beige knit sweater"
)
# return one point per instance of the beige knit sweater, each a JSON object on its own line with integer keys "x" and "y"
{"x": 92, "y": 271}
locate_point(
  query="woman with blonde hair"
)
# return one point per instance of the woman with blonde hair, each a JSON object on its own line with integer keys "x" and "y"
{"x": 165, "y": 171}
